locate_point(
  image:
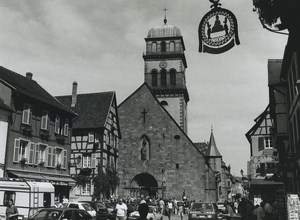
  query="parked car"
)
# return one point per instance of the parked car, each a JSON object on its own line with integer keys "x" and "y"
{"x": 204, "y": 210}
{"x": 110, "y": 208}
{"x": 83, "y": 206}
{"x": 152, "y": 214}
{"x": 221, "y": 207}
{"x": 100, "y": 208}
{"x": 60, "y": 214}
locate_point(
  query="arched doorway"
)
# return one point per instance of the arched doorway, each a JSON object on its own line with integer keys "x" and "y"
{"x": 146, "y": 183}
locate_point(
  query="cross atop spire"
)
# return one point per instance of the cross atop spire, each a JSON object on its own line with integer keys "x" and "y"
{"x": 165, "y": 9}
{"x": 212, "y": 128}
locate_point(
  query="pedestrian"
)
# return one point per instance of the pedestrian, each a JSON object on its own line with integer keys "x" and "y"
{"x": 259, "y": 212}
{"x": 268, "y": 210}
{"x": 143, "y": 210}
{"x": 65, "y": 200}
{"x": 11, "y": 211}
{"x": 243, "y": 208}
{"x": 170, "y": 208}
{"x": 228, "y": 211}
{"x": 180, "y": 210}
{"x": 121, "y": 210}
{"x": 161, "y": 205}
{"x": 236, "y": 206}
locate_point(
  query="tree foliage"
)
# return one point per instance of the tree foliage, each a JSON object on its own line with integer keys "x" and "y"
{"x": 268, "y": 10}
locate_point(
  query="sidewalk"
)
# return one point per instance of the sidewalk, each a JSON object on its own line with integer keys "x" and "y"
{"x": 185, "y": 217}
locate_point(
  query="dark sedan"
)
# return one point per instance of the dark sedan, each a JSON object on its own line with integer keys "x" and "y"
{"x": 101, "y": 209}
{"x": 204, "y": 210}
{"x": 61, "y": 214}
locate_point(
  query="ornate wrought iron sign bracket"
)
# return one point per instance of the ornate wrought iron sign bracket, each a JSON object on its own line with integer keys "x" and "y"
{"x": 218, "y": 30}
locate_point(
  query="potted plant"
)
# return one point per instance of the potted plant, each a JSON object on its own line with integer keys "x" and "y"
{"x": 42, "y": 163}
{"x": 26, "y": 130}
{"x": 44, "y": 135}
{"x": 23, "y": 161}
{"x": 58, "y": 166}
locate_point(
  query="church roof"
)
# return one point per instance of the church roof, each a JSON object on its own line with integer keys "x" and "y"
{"x": 31, "y": 88}
{"x": 92, "y": 109}
{"x": 164, "y": 30}
{"x": 212, "y": 147}
{"x": 149, "y": 89}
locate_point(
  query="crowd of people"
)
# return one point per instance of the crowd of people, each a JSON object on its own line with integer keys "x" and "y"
{"x": 264, "y": 211}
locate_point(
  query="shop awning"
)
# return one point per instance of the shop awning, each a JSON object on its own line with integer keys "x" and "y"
{"x": 262, "y": 182}
{"x": 55, "y": 180}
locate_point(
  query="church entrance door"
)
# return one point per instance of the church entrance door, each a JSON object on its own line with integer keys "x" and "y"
{"x": 146, "y": 183}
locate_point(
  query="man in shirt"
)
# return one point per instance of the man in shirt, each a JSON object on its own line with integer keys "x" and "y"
{"x": 121, "y": 209}
{"x": 170, "y": 208}
{"x": 11, "y": 211}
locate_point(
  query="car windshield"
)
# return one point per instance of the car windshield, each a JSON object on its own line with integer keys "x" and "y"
{"x": 87, "y": 207}
{"x": 48, "y": 214}
{"x": 202, "y": 207}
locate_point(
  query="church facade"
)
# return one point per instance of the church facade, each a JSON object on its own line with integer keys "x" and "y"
{"x": 156, "y": 157}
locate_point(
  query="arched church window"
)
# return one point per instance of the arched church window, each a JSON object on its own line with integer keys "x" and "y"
{"x": 163, "y": 46}
{"x": 154, "y": 47}
{"x": 172, "y": 46}
{"x": 173, "y": 77}
{"x": 154, "y": 77}
{"x": 163, "y": 77}
{"x": 164, "y": 102}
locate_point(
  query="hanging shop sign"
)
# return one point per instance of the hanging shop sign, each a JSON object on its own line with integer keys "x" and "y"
{"x": 218, "y": 30}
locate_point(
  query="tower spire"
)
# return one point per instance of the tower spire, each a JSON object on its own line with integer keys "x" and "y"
{"x": 165, "y": 9}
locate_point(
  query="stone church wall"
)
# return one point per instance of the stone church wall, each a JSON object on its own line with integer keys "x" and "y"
{"x": 172, "y": 159}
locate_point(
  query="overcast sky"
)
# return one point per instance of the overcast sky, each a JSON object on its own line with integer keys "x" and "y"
{"x": 99, "y": 43}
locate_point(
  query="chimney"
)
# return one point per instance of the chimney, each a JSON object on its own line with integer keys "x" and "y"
{"x": 74, "y": 94}
{"x": 29, "y": 75}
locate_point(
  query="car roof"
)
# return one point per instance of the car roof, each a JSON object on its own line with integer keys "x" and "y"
{"x": 58, "y": 209}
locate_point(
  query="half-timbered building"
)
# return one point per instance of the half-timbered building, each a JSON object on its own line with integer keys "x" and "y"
{"x": 95, "y": 138}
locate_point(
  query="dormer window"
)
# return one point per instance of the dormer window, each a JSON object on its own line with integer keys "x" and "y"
{"x": 26, "y": 116}
{"x": 45, "y": 120}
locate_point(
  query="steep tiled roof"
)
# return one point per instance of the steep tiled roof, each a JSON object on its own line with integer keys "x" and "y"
{"x": 203, "y": 147}
{"x": 4, "y": 106}
{"x": 92, "y": 108}
{"x": 29, "y": 88}
{"x": 212, "y": 147}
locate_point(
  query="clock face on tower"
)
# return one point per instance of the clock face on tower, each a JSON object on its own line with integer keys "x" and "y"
{"x": 163, "y": 64}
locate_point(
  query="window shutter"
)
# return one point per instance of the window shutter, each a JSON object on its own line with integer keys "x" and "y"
{"x": 16, "y": 150}
{"x": 54, "y": 162}
{"x": 31, "y": 153}
{"x": 261, "y": 141}
{"x": 93, "y": 162}
{"x": 66, "y": 130}
{"x": 37, "y": 154}
{"x": 46, "y": 152}
{"x": 65, "y": 158}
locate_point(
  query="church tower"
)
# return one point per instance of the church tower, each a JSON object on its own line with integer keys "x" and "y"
{"x": 164, "y": 72}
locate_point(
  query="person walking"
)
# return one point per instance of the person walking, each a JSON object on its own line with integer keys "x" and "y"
{"x": 143, "y": 210}
{"x": 11, "y": 211}
{"x": 161, "y": 205}
{"x": 268, "y": 210}
{"x": 180, "y": 210}
{"x": 170, "y": 208}
{"x": 228, "y": 211}
{"x": 121, "y": 210}
{"x": 259, "y": 212}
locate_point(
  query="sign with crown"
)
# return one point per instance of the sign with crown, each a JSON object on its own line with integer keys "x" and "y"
{"x": 218, "y": 30}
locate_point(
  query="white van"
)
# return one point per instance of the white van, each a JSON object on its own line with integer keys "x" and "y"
{"x": 28, "y": 196}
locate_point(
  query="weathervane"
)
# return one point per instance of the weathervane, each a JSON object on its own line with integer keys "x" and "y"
{"x": 165, "y": 9}
{"x": 218, "y": 30}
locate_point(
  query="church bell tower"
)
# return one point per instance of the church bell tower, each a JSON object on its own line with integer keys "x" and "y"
{"x": 164, "y": 72}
